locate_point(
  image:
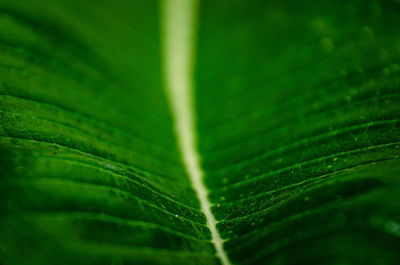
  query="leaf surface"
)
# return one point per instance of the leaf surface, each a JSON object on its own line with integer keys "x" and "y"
{"x": 296, "y": 123}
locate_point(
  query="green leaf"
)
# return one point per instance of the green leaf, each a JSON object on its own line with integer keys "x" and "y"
{"x": 199, "y": 132}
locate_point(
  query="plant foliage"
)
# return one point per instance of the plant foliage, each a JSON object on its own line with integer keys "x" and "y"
{"x": 298, "y": 119}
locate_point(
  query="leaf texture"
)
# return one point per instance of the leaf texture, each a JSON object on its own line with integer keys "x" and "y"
{"x": 298, "y": 131}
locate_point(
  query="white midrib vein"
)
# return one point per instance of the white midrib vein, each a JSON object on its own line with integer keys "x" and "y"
{"x": 178, "y": 36}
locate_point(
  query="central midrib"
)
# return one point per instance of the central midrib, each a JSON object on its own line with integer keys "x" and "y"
{"x": 178, "y": 35}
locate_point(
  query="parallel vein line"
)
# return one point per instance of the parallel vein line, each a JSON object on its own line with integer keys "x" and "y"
{"x": 178, "y": 23}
